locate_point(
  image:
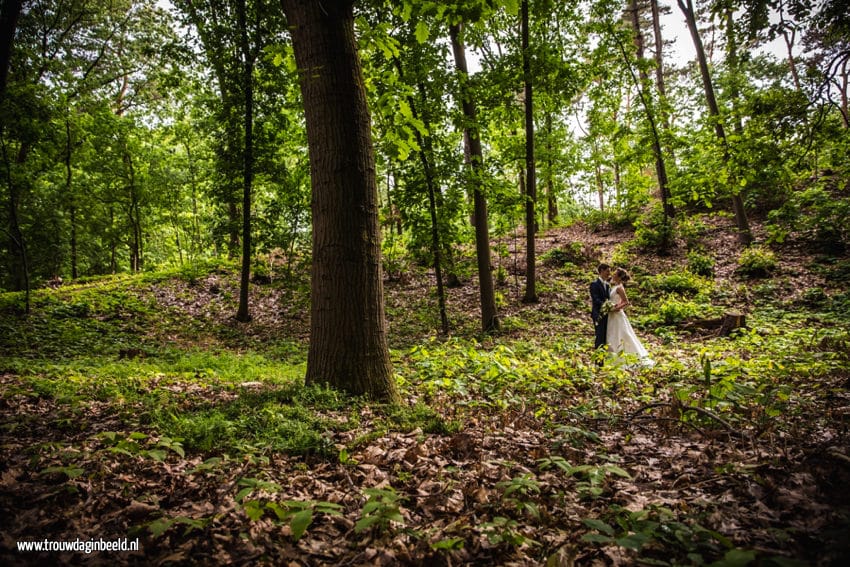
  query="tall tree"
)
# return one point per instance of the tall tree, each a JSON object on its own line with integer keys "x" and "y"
{"x": 248, "y": 54}
{"x": 830, "y": 37}
{"x": 649, "y": 108}
{"x": 489, "y": 315}
{"x": 63, "y": 52}
{"x": 217, "y": 26}
{"x": 531, "y": 170}
{"x": 745, "y": 237}
{"x": 348, "y": 342}
{"x": 660, "y": 84}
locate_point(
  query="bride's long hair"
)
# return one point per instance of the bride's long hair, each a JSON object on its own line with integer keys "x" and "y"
{"x": 622, "y": 275}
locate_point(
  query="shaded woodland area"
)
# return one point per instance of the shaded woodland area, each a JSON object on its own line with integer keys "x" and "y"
{"x": 307, "y": 283}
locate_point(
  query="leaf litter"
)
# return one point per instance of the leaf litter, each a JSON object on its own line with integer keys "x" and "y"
{"x": 534, "y": 481}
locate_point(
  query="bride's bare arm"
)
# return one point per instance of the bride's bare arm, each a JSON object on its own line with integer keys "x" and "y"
{"x": 624, "y": 301}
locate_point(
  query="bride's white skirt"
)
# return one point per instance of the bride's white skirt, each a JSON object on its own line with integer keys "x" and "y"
{"x": 622, "y": 339}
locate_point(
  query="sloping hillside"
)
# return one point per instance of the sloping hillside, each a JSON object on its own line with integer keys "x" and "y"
{"x": 136, "y": 407}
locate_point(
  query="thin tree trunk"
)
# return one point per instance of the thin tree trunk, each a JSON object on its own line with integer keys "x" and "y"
{"x": 233, "y": 221}
{"x": 660, "y": 166}
{"x": 789, "y": 46}
{"x": 664, "y": 113}
{"x": 744, "y": 235}
{"x": 196, "y": 228}
{"x": 72, "y": 207}
{"x": 133, "y": 215}
{"x": 552, "y": 201}
{"x": 489, "y": 316}
{"x": 600, "y": 187}
{"x": 844, "y": 74}
{"x": 242, "y": 313}
{"x": 424, "y": 150}
{"x": 348, "y": 342}
{"x": 531, "y": 177}
{"x": 177, "y": 242}
{"x": 792, "y": 63}
{"x": 113, "y": 245}
{"x": 659, "y": 48}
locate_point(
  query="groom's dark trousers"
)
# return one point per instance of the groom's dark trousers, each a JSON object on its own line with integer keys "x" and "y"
{"x": 598, "y": 296}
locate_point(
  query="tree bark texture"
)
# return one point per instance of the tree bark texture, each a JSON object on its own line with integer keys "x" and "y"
{"x": 348, "y": 342}
{"x": 489, "y": 316}
{"x": 9, "y": 12}
{"x": 242, "y": 313}
{"x": 552, "y": 199}
{"x": 531, "y": 179}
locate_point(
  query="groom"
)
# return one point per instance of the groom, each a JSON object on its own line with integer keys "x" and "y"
{"x": 599, "y": 291}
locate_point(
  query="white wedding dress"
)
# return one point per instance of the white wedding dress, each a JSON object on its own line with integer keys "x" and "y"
{"x": 621, "y": 337}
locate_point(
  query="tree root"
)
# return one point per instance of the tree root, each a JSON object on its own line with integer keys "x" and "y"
{"x": 683, "y": 409}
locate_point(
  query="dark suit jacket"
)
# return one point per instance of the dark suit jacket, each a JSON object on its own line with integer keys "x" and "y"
{"x": 598, "y": 296}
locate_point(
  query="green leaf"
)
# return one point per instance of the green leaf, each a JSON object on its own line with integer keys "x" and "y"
{"x": 599, "y": 525}
{"x": 159, "y": 526}
{"x": 329, "y": 508}
{"x": 253, "y": 509}
{"x": 243, "y": 493}
{"x": 632, "y": 541}
{"x": 736, "y": 558}
{"x": 618, "y": 471}
{"x": 157, "y": 455}
{"x": 422, "y": 32}
{"x": 299, "y": 523}
{"x": 70, "y": 472}
{"x": 281, "y": 512}
{"x": 511, "y": 7}
{"x": 207, "y": 465}
{"x": 448, "y": 544}
{"x": 365, "y": 523}
{"x": 405, "y": 109}
{"x": 597, "y": 538}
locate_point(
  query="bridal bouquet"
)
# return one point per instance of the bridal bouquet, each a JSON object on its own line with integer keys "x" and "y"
{"x": 607, "y": 307}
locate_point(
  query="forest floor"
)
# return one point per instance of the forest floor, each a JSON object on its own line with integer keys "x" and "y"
{"x": 136, "y": 407}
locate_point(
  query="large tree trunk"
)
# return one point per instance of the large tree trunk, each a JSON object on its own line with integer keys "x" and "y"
{"x": 21, "y": 272}
{"x": 489, "y": 316}
{"x": 744, "y": 235}
{"x": 9, "y": 12}
{"x": 348, "y": 342}
{"x": 531, "y": 177}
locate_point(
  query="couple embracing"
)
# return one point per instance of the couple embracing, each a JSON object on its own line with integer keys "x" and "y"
{"x": 612, "y": 325}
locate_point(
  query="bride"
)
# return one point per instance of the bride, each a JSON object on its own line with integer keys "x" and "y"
{"x": 621, "y": 337}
